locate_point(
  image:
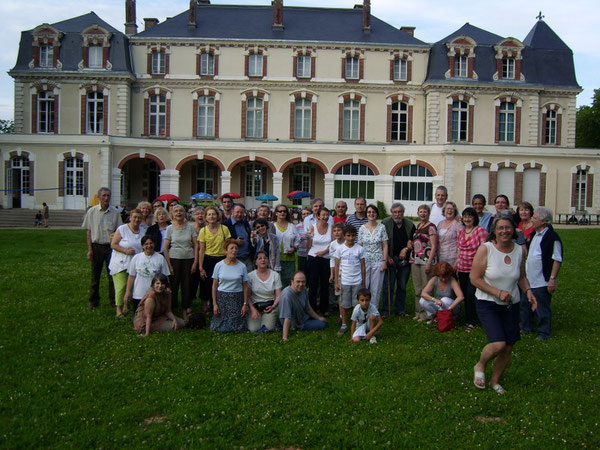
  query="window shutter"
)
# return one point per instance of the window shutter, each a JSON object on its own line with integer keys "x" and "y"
{"x": 84, "y": 114}
{"x": 105, "y": 103}
{"x": 86, "y": 172}
{"x": 61, "y": 178}
{"x": 295, "y": 67}
{"x": 149, "y": 63}
{"x": 589, "y": 189}
{"x": 449, "y": 126}
{"x": 56, "y": 114}
{"x": 573, "y": 190}
{"x": 31, "y": 176}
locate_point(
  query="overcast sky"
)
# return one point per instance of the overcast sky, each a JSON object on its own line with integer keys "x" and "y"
{"x": 576, "y": 22}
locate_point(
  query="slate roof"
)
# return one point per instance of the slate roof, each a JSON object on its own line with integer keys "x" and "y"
{"x": 300, "y": 24}
{"x": 70, "y": 47}
{"x": 546, "y": 58}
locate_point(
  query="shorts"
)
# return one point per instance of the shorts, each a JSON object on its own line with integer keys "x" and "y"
{"x": 500, "y": 322}
{"x": 362, "y": 330}
{"x": 349, "y": 294}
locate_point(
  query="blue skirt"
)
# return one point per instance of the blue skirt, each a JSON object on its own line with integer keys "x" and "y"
{"x": 230, "y": 308}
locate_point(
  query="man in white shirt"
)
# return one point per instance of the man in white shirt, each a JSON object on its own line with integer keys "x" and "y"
{"x": 437, "y": 207}
{"x": 311, "y": 220}
{"x": 543, "y": 264}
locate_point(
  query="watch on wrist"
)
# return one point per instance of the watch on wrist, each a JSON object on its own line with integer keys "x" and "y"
{"x": 552, "y": 277}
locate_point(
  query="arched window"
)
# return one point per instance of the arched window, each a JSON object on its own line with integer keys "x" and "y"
{"x": 354, "y": 180}
{"x": 413, "y": 182}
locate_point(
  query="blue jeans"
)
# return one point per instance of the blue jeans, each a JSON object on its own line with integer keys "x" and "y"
{"x": 398, "y": 278}
{"x": 543, "y": 312}
{"x": 313, "y": 325}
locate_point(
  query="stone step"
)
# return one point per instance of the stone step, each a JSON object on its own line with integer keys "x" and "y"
{"x": 24, "y": 218}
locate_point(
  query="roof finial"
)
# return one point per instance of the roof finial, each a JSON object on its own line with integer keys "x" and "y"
{"x": 540, "y": 16}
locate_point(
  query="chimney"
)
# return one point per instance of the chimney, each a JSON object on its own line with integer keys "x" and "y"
{"x": 408, "y": 30}
{"x": 277, "y": 14}
{"x": 366, "y": 16}
{"x": 149, "y": 22}
{"x": 192, "y": 22}
{"x": 130, "y": 25}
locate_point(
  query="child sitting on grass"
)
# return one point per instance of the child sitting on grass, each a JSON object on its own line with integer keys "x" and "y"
{"x": 349, "y": 273}
{"x": 365, "y": 319}
{"x": 337, "y": 233}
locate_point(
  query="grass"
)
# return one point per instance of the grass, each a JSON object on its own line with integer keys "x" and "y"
{"x": 78, "y": 378}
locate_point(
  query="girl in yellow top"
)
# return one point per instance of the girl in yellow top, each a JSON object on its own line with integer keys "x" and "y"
{"x": 210, "y": 251}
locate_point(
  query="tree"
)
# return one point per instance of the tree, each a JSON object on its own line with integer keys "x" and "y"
{"x": 588, "y": 124}
{"x": 7, "y": 126}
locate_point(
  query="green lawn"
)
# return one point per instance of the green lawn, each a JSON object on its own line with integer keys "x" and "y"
{"x": 78, "y": 378}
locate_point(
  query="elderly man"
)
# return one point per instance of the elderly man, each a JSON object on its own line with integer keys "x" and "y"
{"x": 311, "y": 219}
{"x": 340, "y": 212}
{"x": 360, "y": 214}
{"x": 437, "y": 207}
{"x": 100, "y": 221}
{"x": 543, "y": 264}
{"x": 240, "y": 230}
{"x": 399, "y": 230}
{"x": 294, "y": 308}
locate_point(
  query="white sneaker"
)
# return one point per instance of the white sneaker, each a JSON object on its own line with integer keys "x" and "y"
{"x": 342, "y": 330}
{"x": 373, "y": 340}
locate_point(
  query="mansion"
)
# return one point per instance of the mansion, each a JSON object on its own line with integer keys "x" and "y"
{"x": 272, "y": 99}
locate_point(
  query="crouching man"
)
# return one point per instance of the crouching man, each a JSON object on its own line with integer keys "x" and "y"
{"x": 294, "y": 308}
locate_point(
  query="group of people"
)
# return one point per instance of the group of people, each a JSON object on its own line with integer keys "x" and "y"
{"x": 269, "y": 273}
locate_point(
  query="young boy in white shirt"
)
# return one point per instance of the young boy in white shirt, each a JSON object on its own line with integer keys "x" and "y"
{"x": 365, "y": 319}
{"x": 337, "y": 233}
{"x": 349, "y": 273}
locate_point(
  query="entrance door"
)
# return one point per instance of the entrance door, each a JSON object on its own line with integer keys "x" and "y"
{"x": 74, "y": 184}
{"x": 17, "y": 181}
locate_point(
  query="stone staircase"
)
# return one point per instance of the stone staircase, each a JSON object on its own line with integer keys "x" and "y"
{"x": 24, "y": 218}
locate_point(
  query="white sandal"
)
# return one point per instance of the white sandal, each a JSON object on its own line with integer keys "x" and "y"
{"x": 499, "y": 389}
{"x": 479, "y": 376}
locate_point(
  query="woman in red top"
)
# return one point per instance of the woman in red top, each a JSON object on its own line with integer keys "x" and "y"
{"x": 526, "y": 224}
{"x": 469, "y": 240}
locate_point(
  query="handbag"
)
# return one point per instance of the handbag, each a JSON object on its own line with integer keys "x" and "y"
{"x": 445, "y": 320}
{"x": 261, "y": 306}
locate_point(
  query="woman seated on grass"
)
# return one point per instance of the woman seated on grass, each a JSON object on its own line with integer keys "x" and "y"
{"x": 143, "y": 267}
{"x": 445, "y": 287}
{"x": 154, "y": 312}
{"x": 265, "y": 289}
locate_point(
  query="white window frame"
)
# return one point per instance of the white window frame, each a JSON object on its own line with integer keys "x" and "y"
{"x": 255, "y": 108}
{"x": 581, "y": 190}
{"x": 253, "y": 181}
{"x": 413, "y": 183}
{"x": 352, "y": 67}
{"x": 207, "y": 64}
{"x": 508, "y": 68}
{"x": 157, "y": 115}
{"x": 355, "y": 180}
{"x": 74, "y": 177}
{"x": 45, "y": 112}
{"x": 399, "y": 120}
{"x": 205, "y": 181}
{"x": 351, "y": 120}
{"x": 301, "y": 177}
{"x": 46, "y": 56}
{"x": 206, "y": 116}
{"x": 95, "y": 56}
{"x": 506, "y": 121}
{"x": 303, "y": 118}
{"x": 400, "y": 69}
{"x": 461, "y": 66}
{"x": 94, "y": 107}
{"x": 551, "y": 119}
{"x": 303, "y": 66}
{"x": 460, "y": 121}
{"x": 159, "y": 60}
{"x": 255, "y": 65}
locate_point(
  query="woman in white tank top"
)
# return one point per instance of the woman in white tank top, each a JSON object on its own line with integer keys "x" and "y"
{"x": 317, "y": 265}
{"x": 497, "y": 269}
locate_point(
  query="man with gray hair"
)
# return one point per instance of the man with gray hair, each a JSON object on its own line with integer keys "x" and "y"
{"x": 399, "y": 230}
{"x": 437, "y": 207}
{"x": 543, "y": 264}
{"x": 311, "y": 220}
{"x": 100, "y": 221}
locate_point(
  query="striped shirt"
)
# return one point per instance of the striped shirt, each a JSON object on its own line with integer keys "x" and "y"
{"x": 355, "y": 221}
{"x": 467, "y": 247}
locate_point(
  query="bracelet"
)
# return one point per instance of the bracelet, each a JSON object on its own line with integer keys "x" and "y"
{"x": 528, "y": 289}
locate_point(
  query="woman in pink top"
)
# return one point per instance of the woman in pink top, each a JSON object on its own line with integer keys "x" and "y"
{"x": 469, "y": 240}
{"x": 448, "y": 230}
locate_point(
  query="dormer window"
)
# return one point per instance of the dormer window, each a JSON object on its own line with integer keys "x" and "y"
{"x": 508, "y": 60}
{"x": 460, "y": 66}
{"x": 95, "y": 57}
{"x": 46, "y": 45}
{"x": 508, "y": 68}
{"x": 46, "y": 56}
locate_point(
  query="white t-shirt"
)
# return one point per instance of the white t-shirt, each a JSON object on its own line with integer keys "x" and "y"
{"x": 437, "y": 214}
{"x": 143, "y": 268}
{"x": 263, "y": 291}
{"x": 350, "y": 273}
{"x": 361, "y": 317}
{"x": 332, "y": 248}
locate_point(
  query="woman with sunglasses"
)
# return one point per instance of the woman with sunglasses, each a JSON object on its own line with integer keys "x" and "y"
{"x": 263, "y": 240}
{"x": 289, "y": 240}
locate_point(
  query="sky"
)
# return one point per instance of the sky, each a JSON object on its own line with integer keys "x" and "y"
{"x": 576, "y": 23}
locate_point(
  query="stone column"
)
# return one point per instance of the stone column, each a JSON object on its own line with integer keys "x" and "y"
{"x": 225, "y": 181}
{"x": 328, "y": 190}
{"x": 384, "y": 190}
{"x": 169, "y": 182}
{"x": 278, "y": 186}
{"x": 115, "y": 186}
